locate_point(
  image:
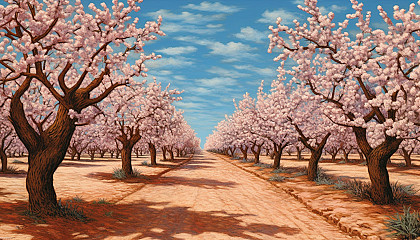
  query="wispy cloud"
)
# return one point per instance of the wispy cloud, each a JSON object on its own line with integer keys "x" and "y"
{"x": 270, "y": 17}
{"x": 218, "y": 82}
{"x": 177, "y": 50}
{"x": 175, "y": 27}
{"x": 213, "y": 7}
{"x": 252, "y": 34}
{"x": 333, "y": 8}
{"x": 186, "y": 17}
{"x": 269, "y": 72}
{"x": 170, "y": 62}
{"x": 231, "y": 51}
{"x": 227, "y": 72}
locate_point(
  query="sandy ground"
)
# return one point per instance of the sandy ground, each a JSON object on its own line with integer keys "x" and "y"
{"x": 206, "y": 198}
{"x": 403, "y": 175}
{"x": 357, "y": 217}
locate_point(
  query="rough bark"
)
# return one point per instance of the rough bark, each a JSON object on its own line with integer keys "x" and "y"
{"x": 171, "y": 154}
{"x": 256, "y": 150}
{"x": 278, "y": 150}
{"x": 152, "y": 150}
{"x": 407, "y": 156}
{"x": 3, "y": 157}
{"x": 316, "y": 153}
{"x": 299, "y": 153}
{"x": 164, "y": 153}
{"x": 244, "y": 151}
{"x": 377, "y": 158}
{"x": 45, "y": 153}
{"x": 3, "y": 148}
{"x": 126, "y": 159}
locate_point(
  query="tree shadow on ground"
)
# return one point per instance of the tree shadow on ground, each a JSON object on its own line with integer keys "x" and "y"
{"x": 78, "y": 165}
{"x": 164, "y": 180}
{"x": 139, "y": 220}
{"x": 4, "y": 193}
{"x": 17, "y": 174}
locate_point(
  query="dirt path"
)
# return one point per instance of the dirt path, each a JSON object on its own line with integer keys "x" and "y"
{"x": 208, "y": 198}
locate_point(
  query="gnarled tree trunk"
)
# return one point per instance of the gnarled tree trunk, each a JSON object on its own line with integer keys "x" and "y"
{"x": 256, "y": 150}
{"x": 278, "y": 150}
{"x": 3, "y": 157}
{"x": 316, "y": 153}
{"x": 152, "y": 150}
{"x": 126, "y": 159}
{"x": 164, "y": 153}
{"x": 244, "y": 151}
{"x": 45, "y": 153}
{"x": 407, "y": 156}
{"x": 377, "y": 158}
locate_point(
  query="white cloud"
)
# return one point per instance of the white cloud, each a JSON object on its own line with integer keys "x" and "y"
{"x": 187, "y": 105}
{"x": 179, "y": 77}
{"x": 186, "y": 17}
{"x": 213, "y": 7}
{"x": 174, "y": 27}
{"x": 271, "y": 16}
{"x": 214, "y": 25}
{"x": 218, "y": 82}
{"x": 177, "y": 50}
{"x": 251, "y": 34}
{"x": 200, "y": 90}
{"x": 270, "y": 72}
{"x": 232, "y": 51}
{"x": 333, "y": 8}
{"x": 227, "y": 73}
{"x": 170, "y": 62}
{"x": 298, "y": 2}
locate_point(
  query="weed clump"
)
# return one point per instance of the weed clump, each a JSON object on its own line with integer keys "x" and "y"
{"x": 404, "y": 226}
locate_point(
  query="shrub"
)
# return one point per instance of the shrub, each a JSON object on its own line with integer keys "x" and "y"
{"x": 17, "y": 161}
{"x": 340, "y": 184}
{"x": 402, "y": 192}
{"x": 322, "y": 178}
{"x": 404, "y": 226}
{"x": 303, "y": 171}
{"x": 262, "y": 165}
{"x": 71, "y": 211}
{"x": 277, "y": 178}
{"x": 101, "y": 201}
{"x": 145, "y": 163}
{"x": 109, "y": 214}
{"x": 280, "y": 170}
{"x": 119, "y": 174}
{"x": 359, "y": 189}
{"x": 136, "y": 173}
{"x": 342, "y": 162}
{"x": 364, "y": 163}
{"x": 78, "y": 199}
{"x": 246, "y": 160}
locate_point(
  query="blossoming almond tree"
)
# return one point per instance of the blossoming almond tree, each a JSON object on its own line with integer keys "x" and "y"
{"x": 369, "y": 82}
{"x": 158, "y": 105}
{"x": 76, "y": 59}
{"x": 274, "y": 125}
{"x": 7, "y": 133}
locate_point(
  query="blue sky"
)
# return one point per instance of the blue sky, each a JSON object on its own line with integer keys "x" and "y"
{"x": 217, "y": 50}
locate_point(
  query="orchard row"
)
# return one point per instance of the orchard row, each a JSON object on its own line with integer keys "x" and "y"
{"x": 336, "y": 91}
{"x": 70, "y": 83}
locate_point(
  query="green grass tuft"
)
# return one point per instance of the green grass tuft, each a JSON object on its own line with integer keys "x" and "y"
{"x": 404, "y": 226}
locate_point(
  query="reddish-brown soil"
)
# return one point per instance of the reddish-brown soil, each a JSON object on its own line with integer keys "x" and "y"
{"x": 205, "y": 198}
